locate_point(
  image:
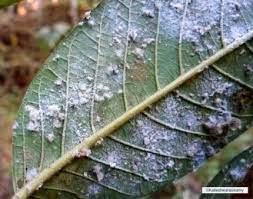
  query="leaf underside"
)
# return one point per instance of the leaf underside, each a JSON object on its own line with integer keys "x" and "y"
{"x": 126, "y": 52}
{"x": 233, "y": 174}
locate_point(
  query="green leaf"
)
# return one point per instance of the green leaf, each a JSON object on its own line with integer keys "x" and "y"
{"x": 207, "y": 173}
{"x": 130, "y": 57}
{"x": 233, "y": 174}
{"x": 4, "y": 3}
{"x": 231, "y": 168}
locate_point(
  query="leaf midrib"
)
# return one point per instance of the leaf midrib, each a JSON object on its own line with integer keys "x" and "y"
{"x": 68, "y": 157}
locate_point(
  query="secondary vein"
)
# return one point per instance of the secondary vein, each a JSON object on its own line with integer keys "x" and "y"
{"x": 66, "y": 101}
{"x": 223, "y": 43}
{"x": 95, "y": 181}
{"x": 224, "y": 73}
{"x": 96, "y": 74}
{"x": 181, "y": 67}
{"x": 42, "y": 155}
{"x": 24, "y": 150}
{"x": 156, "y": 50}
{"x": 125, "y": 56}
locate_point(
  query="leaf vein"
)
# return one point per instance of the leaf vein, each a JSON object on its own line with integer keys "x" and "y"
{"x": 96, "y": 74}
{"x": 42, "y": 155}
{"x": 125, "y": 57}
{"x": 97, "y": 182}
{"x": 224, "y": 73}
{"x": 181, "y": 67}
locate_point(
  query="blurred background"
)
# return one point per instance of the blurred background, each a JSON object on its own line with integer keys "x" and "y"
{"x": 28, "y": 32}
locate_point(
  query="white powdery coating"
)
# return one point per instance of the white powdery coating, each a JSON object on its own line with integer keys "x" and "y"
{"x": 57, "y": 123}
{"x": 172, "y": 109}
{"x": 91, "y": 22}
{"x": 99, "y": 142}
{"x": 15, "y": 126}
{"x": 108, "y": 95}
{"x": 238, "y": 173}
{"x": 84, "y": 152}
{"x": 214, "y": 89}
{"x": 148, "y": 12}
{"x": 54, "y": 111}
{"x": 202, "y": 17}
{"x": 31, "y": 174}
{"x": 90, "y": 78}
{"x": 155, "y": 168}
{"x": 56, "y": 58}
{"x": 103, "y": 92}
{"x": 171, "y": 163}
{"x": 98, "y": 171}
{"x": 155, "y": 137}
{"x": 139, "y": 53}
{"x": 50, "y": 137}
{"x": 234, "y": 15}
{"x": 87, "y": 15}
{"x": 58, "y": 82}
{"x": 81, "y": 92}
{"x": 113, "y": 69}
{"x": 133, "y": 33}
{"x": 82, "y": 86}
{"x": 147, "y": 41}
{"x": 178, "y": 6}
{"x": 114, "y": 159}
{"x": 33, "y": 112}
{"x": 93, "y": 190}
{"x": 34, "y": 118}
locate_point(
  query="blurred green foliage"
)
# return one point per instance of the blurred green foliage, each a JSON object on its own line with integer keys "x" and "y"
{"x": 4, "y": 3}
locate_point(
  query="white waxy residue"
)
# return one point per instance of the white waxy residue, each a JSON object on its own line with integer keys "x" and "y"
{"x": 34, "y": 118}
{"x": 55, "y": 112}
{"x": 98, "y": 171}
{"x": 50, "y": 137}
{"x": 31, "y": 174}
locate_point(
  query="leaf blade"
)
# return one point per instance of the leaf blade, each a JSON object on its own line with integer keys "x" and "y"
{"x": 90, "y": 141}
{"x": 134, "y": 95}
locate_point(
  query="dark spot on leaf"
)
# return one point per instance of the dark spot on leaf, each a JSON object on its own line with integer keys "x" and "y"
{"x": 248, "y": 70}
{"x": 242, "y": 99}
{"x": 139, "y": 73}
{"x": 220, "y": 126}
{"x": 20, "y": 183}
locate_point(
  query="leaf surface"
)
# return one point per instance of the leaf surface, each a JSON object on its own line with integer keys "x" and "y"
{"x": 107, "y": 66}
{"x": 233, "y": 173}
{"x": 5, "y": 3}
